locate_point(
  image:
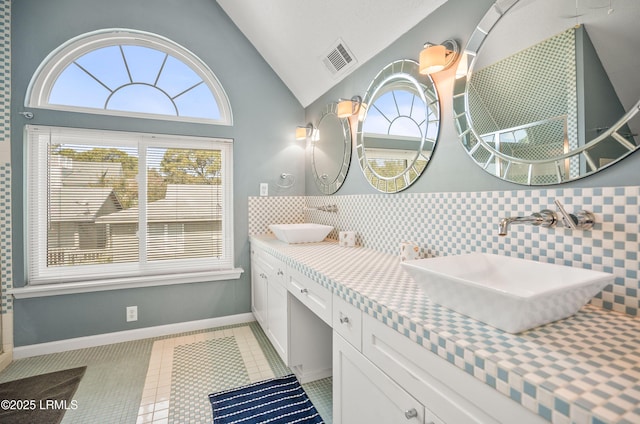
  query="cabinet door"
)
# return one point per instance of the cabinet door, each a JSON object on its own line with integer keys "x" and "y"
{"x": 362, "y": 394}
{"x": 259, "y": 293}
{"x": 277, "y": 318}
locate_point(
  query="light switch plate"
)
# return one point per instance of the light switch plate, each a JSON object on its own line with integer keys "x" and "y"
{"x": 264, "y": 189}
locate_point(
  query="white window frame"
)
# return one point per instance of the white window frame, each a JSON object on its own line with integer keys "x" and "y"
{"x": 46, "y": 75}
{"x": 41, "y": 279}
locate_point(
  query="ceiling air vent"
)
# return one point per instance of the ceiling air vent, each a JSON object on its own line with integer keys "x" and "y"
{"x": 339, "y": 59}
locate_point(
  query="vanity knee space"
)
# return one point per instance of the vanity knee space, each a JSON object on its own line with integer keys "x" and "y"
{"x": 294, "y": 313}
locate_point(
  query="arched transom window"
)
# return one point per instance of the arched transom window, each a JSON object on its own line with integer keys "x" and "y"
{"x": 130, "y": 73}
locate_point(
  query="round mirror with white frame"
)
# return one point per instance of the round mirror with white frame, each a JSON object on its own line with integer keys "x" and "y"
{"x": 398, "y": 126}
{"x": 552, "y": 99}
{"x": 331, "y": 150}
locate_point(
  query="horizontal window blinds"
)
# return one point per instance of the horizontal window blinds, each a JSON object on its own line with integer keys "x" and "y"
{"x": 107, "y": 204}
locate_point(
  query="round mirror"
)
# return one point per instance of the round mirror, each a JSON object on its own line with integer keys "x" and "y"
{"x": 331, "y": 150}
{"x": 398, "y": 126}
{"x": 552, "y": 99}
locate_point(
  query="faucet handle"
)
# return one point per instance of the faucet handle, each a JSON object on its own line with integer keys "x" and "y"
{"x": 568, "y": 219}
{"x": 584, "y": 220}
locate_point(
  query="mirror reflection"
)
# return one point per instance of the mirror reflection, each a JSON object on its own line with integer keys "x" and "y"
{"x": 555, "y": 98}
{"x": 399, "y": 127}
{"x": 331, "y": 150}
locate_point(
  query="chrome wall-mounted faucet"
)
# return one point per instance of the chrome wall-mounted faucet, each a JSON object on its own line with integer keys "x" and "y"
{"x": 327, "y": 208}
{"x": 545, "y": 218}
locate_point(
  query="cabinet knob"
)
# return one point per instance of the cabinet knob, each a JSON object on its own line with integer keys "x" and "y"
{"x": 304, "y": 291}
{"x": 344, "y": 320}
{"x": 280, "y": 272}
{"x": 411, "y": 413}
{"x": 262, "y": 275}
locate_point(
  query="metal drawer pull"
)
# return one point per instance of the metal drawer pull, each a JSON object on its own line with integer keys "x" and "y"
{"x": 280, "y": 272}
{"x": 344, "y": 320}
{"x": 262, "y": 275}
{"x": 411, "y": 413}
{"x": 304, "y": 291}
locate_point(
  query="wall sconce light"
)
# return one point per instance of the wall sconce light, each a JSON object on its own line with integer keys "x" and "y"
{"x": 437, "y": 57}
{"x": 348, "y": 107}
{"x": 304, "y": 132}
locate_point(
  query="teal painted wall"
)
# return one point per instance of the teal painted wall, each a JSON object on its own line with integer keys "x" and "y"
{"x": 265, "y": 114}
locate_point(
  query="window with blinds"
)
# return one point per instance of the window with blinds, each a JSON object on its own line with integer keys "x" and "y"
{"x": 110, "y": 204}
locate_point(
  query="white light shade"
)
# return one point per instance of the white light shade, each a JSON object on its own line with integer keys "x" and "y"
{"x": 432, "y": 59}
{"x": 301, "y": 133}
{"x": 345, "y": 108}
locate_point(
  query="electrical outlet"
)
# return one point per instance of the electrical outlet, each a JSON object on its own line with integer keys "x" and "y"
{"x": 264, "y": 189}
{"x": 132, "y": 313}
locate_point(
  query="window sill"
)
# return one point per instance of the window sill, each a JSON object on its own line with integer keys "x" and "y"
{"x": 42, "y": 290}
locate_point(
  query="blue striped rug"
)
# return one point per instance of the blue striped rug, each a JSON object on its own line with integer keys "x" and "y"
{"x": 277, "y": 401}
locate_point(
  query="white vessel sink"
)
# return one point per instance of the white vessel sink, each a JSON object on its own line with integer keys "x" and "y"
{"x": 508, "y": 293}
{"x": 300, "y": 233}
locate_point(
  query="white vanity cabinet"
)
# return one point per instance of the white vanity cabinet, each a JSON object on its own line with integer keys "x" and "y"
{"x": 394, "y": 375}
{"x": 362, "y": 394}
{"x": 380, "y": 375}
{"x": 269, "y": 298}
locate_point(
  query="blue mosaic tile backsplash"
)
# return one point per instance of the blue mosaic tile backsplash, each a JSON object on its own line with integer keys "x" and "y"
{"x": 460, "y": 222}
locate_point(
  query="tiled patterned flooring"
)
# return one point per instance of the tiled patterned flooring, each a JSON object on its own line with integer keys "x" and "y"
{"x": 167, "y": 380}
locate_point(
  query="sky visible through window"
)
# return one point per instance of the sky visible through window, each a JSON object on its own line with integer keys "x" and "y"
{"x": 400, "y": 113}
{"x": 134, "y": 79}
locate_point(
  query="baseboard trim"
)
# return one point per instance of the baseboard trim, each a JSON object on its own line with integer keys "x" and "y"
{"x": 20, "y": 352}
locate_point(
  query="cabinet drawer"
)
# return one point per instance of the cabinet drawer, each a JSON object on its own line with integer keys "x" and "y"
{"x": 311, "y": 294}
{"x": 347, "y": 321}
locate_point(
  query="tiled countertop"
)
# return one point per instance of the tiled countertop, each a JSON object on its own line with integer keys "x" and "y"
{"x": 584, "y": 369}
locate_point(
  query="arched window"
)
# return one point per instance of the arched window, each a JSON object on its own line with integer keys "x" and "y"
{"x": 129, "y": 73}
{"x": 110, "y": 209}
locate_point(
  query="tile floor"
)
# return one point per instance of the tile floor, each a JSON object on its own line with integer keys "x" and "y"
{"x": 167, "y": 379}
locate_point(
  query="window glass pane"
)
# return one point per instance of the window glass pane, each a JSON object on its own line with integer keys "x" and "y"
{"x": 87, "y": 219}
{"x": 198, "y": 103}
{"x": 386, "y": 105}
{"x": 74, "y": 87}
{"x": 87, "y": 186}
{"x": 106, "y": 65}
{"x": 176, "y": 77}
{"x": 375, "y": 123}
{"x": 141, "y": 98}
{"x": 184, "y": 204}
{"x": 405, "y": 127}
{"x": 144, "y": 63}
{"x": 405, "y": 101}
{"x": 131, "y": 72}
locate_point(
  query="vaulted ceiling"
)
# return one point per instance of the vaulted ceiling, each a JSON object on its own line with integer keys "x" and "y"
{"x": 301, "y": 39}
